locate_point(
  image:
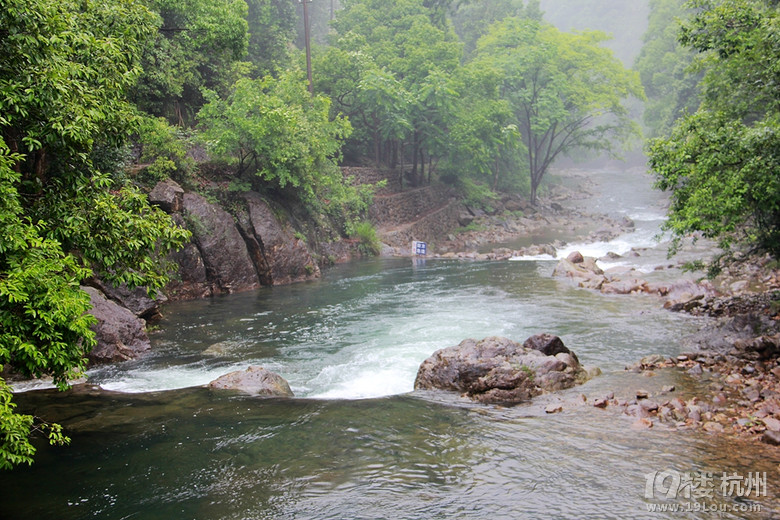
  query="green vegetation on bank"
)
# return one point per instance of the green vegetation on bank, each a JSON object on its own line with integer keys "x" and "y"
{"x": 721, "y": 163}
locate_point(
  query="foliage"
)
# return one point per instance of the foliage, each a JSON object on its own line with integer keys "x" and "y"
{"x": 721, "y": 163}
{"x": 564, "y": 90}
{"x": 63, "y": 79}
{"x": 198, "y": 44}
{"x": 271, "y": 25}
{"x": 401, "y": 96}
{"x": 275, "y": 132}
{"x": 369, "y": 243}
{"x": 164, "y": 150}
{"x": 663, "y": 65}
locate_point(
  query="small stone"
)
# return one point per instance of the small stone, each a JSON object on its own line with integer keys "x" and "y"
{"x": 668, "y": 388}
{"x": 682, "y": 357}
{"x": 771, "y": 423}
{"x": 600, "y": 403}
{"x": 713, "y": 427}
{"x": 553, "y": 408}
{"x": 642, "y": 424}
{"x": 650, "y": 406}
{"x": 642, "y": 394}
{"x": 771, "y": 437}
{"x": 744, "y": 422}
{"x": 719, "y": 399}
{"x": 696, "y": 370}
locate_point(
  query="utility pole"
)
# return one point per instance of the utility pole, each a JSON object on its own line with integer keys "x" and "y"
{"x": 307, "y": 40}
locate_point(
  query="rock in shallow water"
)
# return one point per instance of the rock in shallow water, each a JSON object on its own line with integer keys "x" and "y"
{"x": 499, "y": 370}
{"x": 254, "y": 381}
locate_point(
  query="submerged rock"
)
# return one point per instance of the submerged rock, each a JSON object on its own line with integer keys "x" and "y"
{"x": 499, "y": 370}
{"x": 255, "y": 381}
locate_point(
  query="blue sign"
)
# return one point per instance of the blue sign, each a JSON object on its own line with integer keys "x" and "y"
{"x": 419, "y": 248}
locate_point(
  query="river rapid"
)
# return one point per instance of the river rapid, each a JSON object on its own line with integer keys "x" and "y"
{"x": 357, "y": 441}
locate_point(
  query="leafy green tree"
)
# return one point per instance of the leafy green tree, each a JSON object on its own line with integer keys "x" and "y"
{"x": 565, "y": 90}
{"x": 66, "y": 68}
{"x": 721, "y": 163}
{"x": 405, "y": 44}
{"x": 271, "y": 25}
{"x": 198, "y": 44}
{"x": 276, "y": 133}
{"x": 663, "y": 65}
{"x": 485, "y": 143}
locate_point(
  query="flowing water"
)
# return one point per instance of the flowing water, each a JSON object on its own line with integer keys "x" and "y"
{"x": 357, "y": 441}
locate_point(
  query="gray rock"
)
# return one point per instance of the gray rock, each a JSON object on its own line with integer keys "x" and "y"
{"x": 168, "y": 195}
{"x": 287, "y": 257}
{"x": 575, "y": 257}
{"x": 255, "y": 381}
{"x": 221, "y": 246}
{"x": 136, "y": 300}
{"x": 120, "y": 334}
{"x": 771, "y": 437}
{"x": 499, "y": 370}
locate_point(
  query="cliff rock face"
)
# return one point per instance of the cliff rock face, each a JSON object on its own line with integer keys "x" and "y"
{"x": 499, "y": 370}
{"x": 286, "y": 257}
{"x": 221, "y": 246}
{"x": 120, "y": 334}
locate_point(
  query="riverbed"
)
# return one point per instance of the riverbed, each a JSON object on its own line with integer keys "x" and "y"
{"x": 358, "y": 441}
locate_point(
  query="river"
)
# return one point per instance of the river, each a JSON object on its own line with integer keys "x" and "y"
{"x": 357, "y": 441}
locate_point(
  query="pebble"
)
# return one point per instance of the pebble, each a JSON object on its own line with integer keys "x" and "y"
{"x": 713, "y": 427}
{"x": 642, "y": 394}
{"x": 696, "y": 370}
{"x": 642, "y": 424}
{"x": 600, "y": 403}
{"x": 668, "y": 388}
{"x": 771, "y": 437}
{"x": 772, "y": 423}
{"x": 553, "y": 408}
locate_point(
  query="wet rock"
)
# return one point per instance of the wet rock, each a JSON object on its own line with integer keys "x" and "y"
{"x": 547, "y": 344}
{"x": 255, "y": 381}
{"x": 120, "y": 334}
{"x": 696, "y": 370}
{"x": 642, "y": 394}
{"x": 221, "y": 246}
{"x": 285, "y": 252}
{"x": 136, "y": 300}
{"x": 168, "y": 195}
{"x": 713, "y": 427}
{"x": 553, "y": 408}
{"x": 771, "y": 437}
{"x": 600, "y": 403}
{"x": 667, "y": 389}
{"x": 643, "y": 423}
{"x": 575, "y": 257}
{"x": 771, "y": 423}
{"x": 499, "y": 370}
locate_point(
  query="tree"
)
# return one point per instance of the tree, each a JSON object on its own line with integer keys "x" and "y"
{"x": 198, "y": 44}
{"x": 721, "y": 163}
{"x": 663, "y": 65}
{"x": 565, "y": 91}
{"x": 63, "y": 79}
{"x": 271, "y": 25}
{"x": 275, "y": 133}
{"x": 405, "y": 44}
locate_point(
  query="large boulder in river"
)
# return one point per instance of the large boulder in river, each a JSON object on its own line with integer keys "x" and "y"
{"x": 254, "y": 381}
{"x": 220, "y": 244}
{"x": 120, "y": 334}
{"x": 499, "y": 370}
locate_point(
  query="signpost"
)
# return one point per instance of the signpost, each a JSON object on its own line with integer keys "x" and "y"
{"x": 419, "y": 248}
